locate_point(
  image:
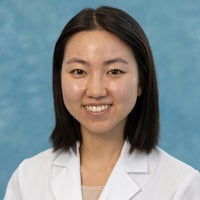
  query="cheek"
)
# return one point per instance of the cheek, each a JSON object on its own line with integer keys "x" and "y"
{"x": 126, "y": 91}
{"x": 72, "y": 91}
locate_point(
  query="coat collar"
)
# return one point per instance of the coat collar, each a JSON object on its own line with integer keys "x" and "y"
{"x": 66, "y": 179}
{"x": 121, "y": 184}
{"x": 135, "y": 162}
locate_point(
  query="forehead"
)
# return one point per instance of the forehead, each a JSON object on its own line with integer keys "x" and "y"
{"x": 95, "y": 40}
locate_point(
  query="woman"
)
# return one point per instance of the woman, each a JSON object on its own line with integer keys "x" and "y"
{"x": 107, "y": 120}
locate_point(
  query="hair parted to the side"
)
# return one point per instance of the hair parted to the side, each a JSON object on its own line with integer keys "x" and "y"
{"x": 142, "y": 126}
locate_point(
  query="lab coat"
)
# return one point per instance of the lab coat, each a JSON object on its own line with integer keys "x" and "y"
{"x": 56, "y": 176}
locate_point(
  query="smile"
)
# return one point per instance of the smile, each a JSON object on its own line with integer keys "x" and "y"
{"x": 100, "y": 108}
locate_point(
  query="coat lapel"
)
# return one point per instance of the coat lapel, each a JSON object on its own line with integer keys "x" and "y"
{"x": 121, "y": 184}
{"x": 66, "y": 181}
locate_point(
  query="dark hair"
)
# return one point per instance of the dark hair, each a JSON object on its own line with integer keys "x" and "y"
{"x": 142, "y": 126}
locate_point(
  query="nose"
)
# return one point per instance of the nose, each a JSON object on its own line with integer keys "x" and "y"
{"x": 96, "y": 87}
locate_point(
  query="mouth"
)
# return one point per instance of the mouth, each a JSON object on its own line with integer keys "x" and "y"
{"x": 96, "y": 109}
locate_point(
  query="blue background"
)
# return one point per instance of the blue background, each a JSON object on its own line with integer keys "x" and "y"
{"x": 28, "y": 32}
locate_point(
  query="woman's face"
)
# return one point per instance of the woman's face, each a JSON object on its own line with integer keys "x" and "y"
{"x": 100, "y": 82}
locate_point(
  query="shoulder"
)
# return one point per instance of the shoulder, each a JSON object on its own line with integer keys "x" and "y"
{"x": 44, "y": 161}
{"x": 44, "y": 157}
{"x": 169, "y": 163}
{"x": 157, "y": 161}
{"x": 171, "y": 177}
{"x": 176, "y": 175}
{"x": 39, "y": 163}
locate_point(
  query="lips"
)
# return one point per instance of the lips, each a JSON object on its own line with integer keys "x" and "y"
{"x": 98, "y": 108}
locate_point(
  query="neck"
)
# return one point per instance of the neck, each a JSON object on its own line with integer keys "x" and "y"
{"x": 100, "y": 147}
{"x": 98, "y": 153}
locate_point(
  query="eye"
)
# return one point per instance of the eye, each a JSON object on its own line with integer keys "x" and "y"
{"x": 78, "y": 72}
{"x": 115, "y": 72}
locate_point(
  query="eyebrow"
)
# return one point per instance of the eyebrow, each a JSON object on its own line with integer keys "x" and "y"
{"x": 115, "y": 60}
{"x": 105, "y": 63}
{"x": 77, "y": 60}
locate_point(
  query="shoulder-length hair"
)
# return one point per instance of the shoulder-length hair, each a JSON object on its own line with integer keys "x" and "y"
{"x": 142, "y": 126}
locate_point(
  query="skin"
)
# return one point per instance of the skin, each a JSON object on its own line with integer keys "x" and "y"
{"x": 100, "y": 86}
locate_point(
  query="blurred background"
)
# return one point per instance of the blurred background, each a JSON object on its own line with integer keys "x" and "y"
{"x": 28, "y": 32}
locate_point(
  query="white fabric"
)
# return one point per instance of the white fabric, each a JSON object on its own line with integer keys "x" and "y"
{"x": 56, "y": 176}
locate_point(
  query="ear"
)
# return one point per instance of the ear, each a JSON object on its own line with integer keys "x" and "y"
{"x": 139, "y": 91}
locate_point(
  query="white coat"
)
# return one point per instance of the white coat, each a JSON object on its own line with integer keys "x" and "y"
{"x": 56, "y": 176}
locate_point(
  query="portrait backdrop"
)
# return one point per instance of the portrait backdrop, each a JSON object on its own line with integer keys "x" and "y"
{"x": 28, "y": 32}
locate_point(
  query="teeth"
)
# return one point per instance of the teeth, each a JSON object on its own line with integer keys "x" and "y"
{"x": 97, "y": 108}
